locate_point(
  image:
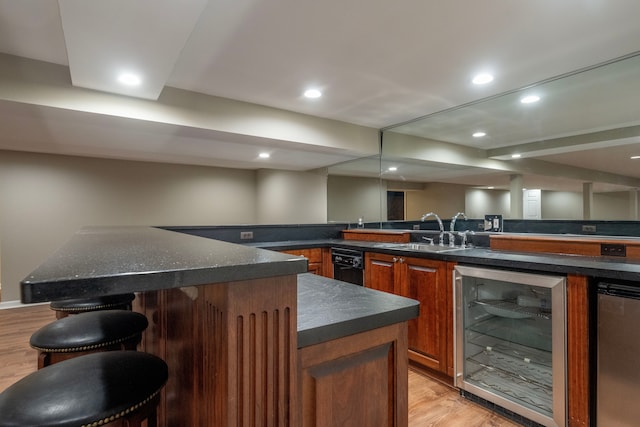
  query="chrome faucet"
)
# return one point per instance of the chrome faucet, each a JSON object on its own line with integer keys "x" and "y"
{"x": 465, "y": 235}
{"x": 427, "y": 215}
{"x": 454, "y": 218}
{"x": 428, "y": 239}
{"x": 452, "y": 239}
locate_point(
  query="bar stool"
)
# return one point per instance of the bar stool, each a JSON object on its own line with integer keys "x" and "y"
{"x": 86, "y": 333}
{"x": 81, "y": 305}
{"x": 119, "y": 387}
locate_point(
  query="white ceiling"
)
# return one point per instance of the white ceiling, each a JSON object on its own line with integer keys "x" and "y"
{"x": 378, "y": 63}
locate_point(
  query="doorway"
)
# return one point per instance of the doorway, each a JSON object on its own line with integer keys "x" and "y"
{"x": 395, "y": 205}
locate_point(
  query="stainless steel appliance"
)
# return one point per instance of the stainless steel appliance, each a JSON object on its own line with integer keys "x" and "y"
{"x": 510, "y": 346}
{"x": 618, "y": 346}
{"x": 348, "y": 265}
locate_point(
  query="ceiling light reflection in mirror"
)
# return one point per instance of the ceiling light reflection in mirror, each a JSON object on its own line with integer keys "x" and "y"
{"x": 582, "y": 121}
{"x": 603, "y": 97}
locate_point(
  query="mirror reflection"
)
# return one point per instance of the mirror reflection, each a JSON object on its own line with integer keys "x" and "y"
{"x": 355, "y": 191}
{"x": 570, "y": 155}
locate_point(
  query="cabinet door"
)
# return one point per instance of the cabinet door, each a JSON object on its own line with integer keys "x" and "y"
{"x": 359, "y": 380}
{"x": 380, "y": 272}
{"x": 429, "y": 282}
{"x": 425, "y": 281}
{"x": 314, "y": 255}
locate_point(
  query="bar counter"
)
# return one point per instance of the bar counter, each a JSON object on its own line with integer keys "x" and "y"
{"x": 248, "y": 338}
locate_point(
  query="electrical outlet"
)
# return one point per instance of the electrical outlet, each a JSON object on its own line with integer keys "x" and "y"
{"x": 589, "y": 228}
{"x": 416, "y": 226}
{"x": 613, "y": 249}
{"x": 246, "y": 235}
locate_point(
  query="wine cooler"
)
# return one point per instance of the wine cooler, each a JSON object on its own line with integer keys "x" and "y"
{"x": 510, "y": 346}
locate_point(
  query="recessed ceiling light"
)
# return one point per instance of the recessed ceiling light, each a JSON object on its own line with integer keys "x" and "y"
{"x": 264, "y": 155}
{"x": 312, "y": 93}
{"x": 490, "y": 188}
{"x": 516, "y": 156}
{"x": 392, "y": 169}
{"x": 482, "y": 78}
{"x": 129, "y": 79}
{"x": 529, "y": 99}
{"x": 634, "y": 157}
{"x": 479, "y": 134}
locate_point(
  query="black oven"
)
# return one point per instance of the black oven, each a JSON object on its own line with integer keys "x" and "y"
{"x": 348, "y": 265}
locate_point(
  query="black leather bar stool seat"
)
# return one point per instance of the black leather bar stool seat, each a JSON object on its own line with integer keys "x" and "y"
{"x": 81, "y": 305}
{"x": 88, "y": 333}
{"x": 92, "y": 390}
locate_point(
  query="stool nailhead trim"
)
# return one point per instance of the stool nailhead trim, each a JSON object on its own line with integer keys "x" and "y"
{"x": 92, "y": 308}
{"x": 86, "y": 347}
{"x": 120, "y": 414}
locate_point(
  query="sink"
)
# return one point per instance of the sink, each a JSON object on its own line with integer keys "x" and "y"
{"x": 420, "y": 247}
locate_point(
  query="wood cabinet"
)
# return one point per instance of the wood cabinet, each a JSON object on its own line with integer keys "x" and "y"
{"x": 231, "y": 349}
{"x": 579, "y": 346}
{"x": 382, "y": 272}
{"x": 359, "y": 380}
{"x": 429, "y": 282}
{"x": 371, "y": 235}
{"x": 319, "y": 260}
{"x": 563, "y": 244}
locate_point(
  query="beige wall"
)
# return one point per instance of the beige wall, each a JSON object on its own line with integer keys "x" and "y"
{"x": 354, "y": 197}
{"x": 285, "y": 197}
{"x": 561, "y": 205}
{"x": 612, "y": 206}
{"x": 443, "y": 199}
{"x": 44, "y": 199}
{"x": 479, "y": 203}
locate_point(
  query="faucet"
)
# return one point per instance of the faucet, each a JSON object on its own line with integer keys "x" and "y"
{"x": 465, "y": 235}
{"x": 428, "y": 239}
{"x": 427, "y": 215}
{"x": 454, "y": 218}
{"x": 463, "y": 244}
{"x": 452, "y": 239}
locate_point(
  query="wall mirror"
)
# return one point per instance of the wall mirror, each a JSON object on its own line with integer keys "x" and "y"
{"x": 575, "y": 146}
{"x": 356, "y": 190}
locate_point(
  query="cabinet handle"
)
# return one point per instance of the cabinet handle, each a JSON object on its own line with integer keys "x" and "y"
{"x": 381, "y": 263}
{"x": 395, "y": 259}
{"x": 401, "y": 260}
{"x": 425, "y": 269}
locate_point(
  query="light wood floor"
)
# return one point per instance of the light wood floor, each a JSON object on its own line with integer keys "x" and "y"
{"x": 431, "y": 403}
{"x": 17, "y": 358}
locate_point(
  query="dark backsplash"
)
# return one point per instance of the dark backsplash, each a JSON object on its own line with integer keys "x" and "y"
{"x": 282, "y": 233}
{"x": 607, "y": 228}
{"x": 264, "y": 233}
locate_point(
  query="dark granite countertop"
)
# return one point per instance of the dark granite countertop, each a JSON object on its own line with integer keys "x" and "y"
{"x": 111, "y": 260}
{"x": 330, "y": 309}
{"x": 601, "y": 267}
{"x": 296, "y": 244}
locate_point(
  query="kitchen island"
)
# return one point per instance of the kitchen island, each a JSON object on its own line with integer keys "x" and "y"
{"x": 248, "y": 339}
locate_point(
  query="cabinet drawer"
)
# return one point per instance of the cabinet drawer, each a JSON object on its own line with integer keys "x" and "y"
{"x": 312, "y": 254}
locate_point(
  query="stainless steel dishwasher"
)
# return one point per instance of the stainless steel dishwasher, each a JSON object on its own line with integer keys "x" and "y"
{"x": 618, "y": 361}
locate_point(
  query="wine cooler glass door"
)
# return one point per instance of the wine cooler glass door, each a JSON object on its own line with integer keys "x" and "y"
{"x": 510, "y": 340}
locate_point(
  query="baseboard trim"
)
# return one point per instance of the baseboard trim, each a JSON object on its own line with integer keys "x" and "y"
{"x": 16, "y": 304}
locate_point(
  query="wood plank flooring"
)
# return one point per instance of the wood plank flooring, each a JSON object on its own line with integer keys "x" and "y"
{"x": 17, "y": 358}
{"x": 431, "y": 403}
